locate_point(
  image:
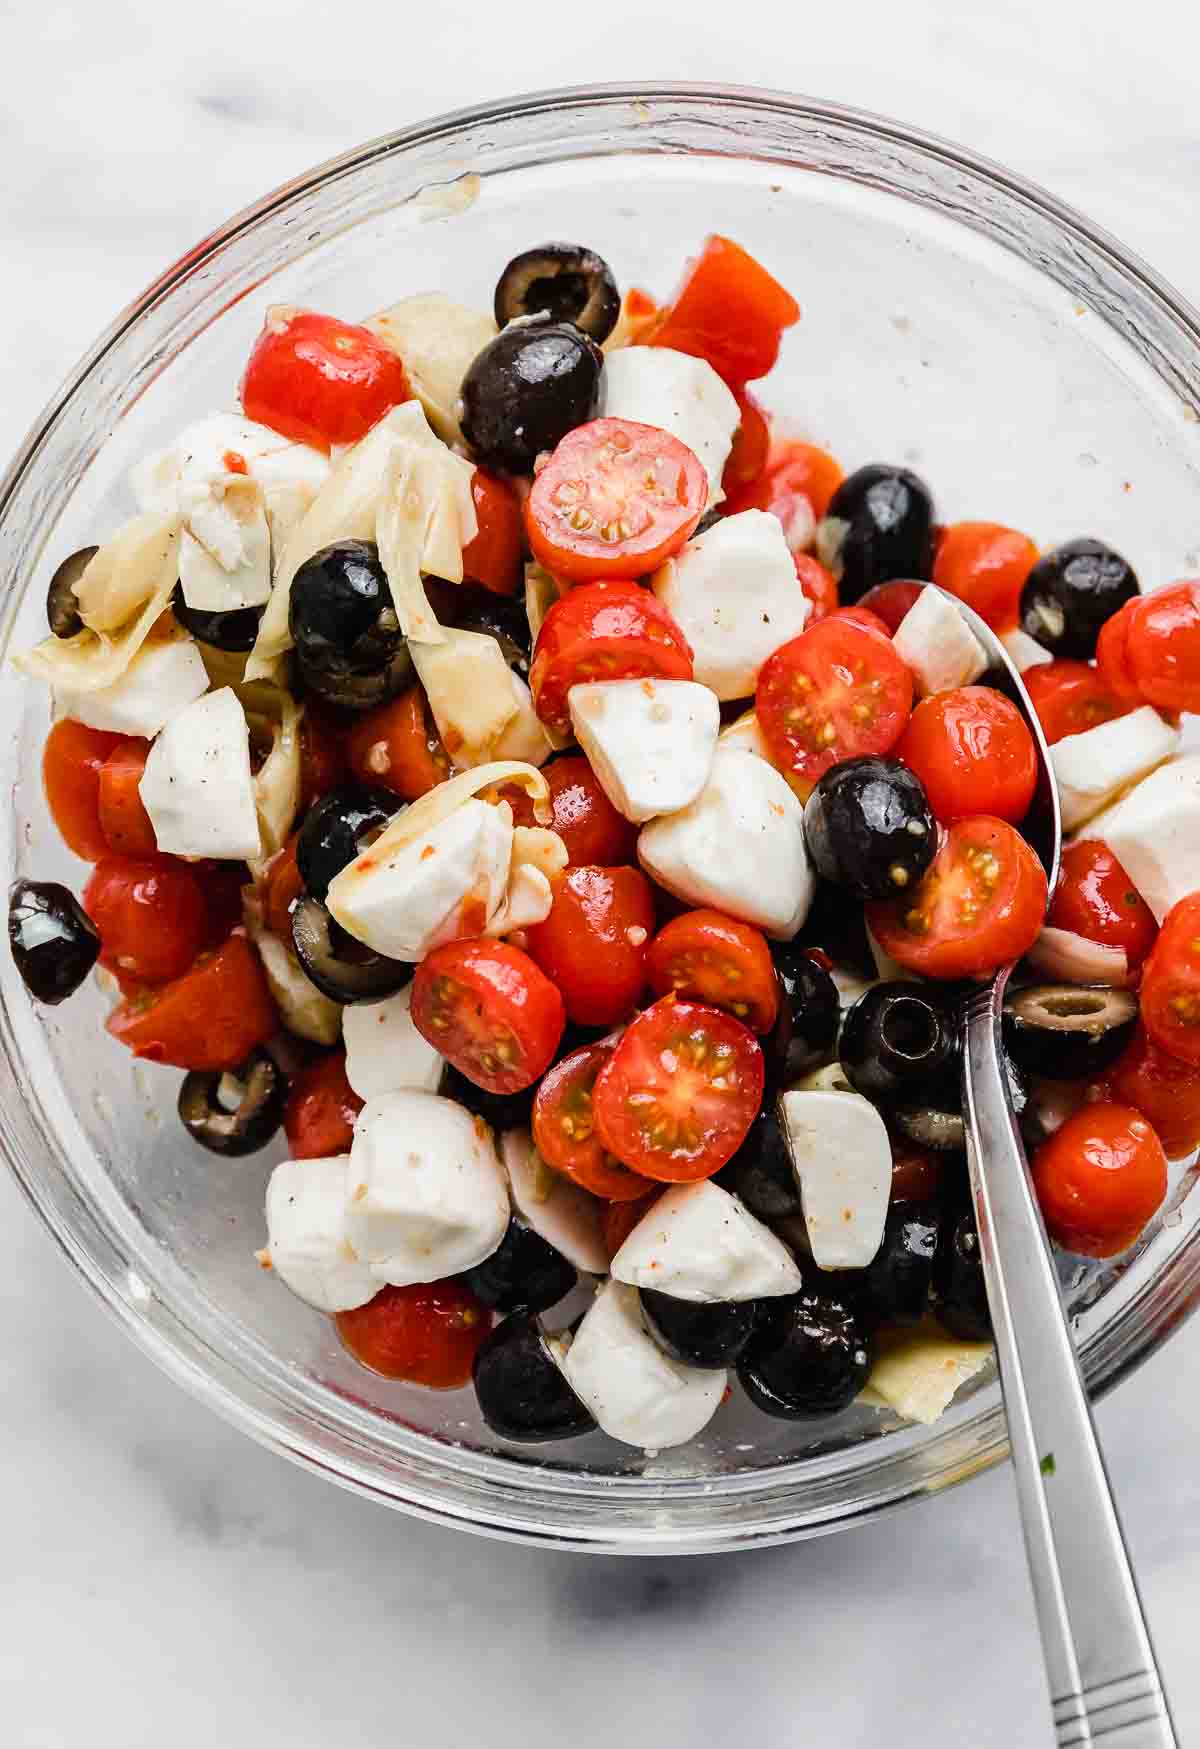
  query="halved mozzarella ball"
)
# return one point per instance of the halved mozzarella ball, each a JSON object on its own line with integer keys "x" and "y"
{"x": 744, "y": 734}
{"x": 936, "y": 643}
{"x": 655, "y": 385}
{"x": 700, "y": 1243}
{"x": 649, "y": 742}
{"x": 197, "y": 786}
{"x": 384, "y": 1051}
{"x": 563, "y": 1213}
{"x": 161, "y": 680}
{"x": 843, "y": 1164}
{"x": 1092, "y": 768}
{"x": 315, "y": 1238}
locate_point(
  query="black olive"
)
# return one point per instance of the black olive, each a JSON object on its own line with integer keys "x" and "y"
{"x": 1068, "y": 1031}
{"x": 869, "y": 828}
{"x": 525, "y": 391}
{"x": 837, "y": 925}
{"x": 809, "y": 1356}
{"x": 234, "y": 630}
{"x": 896, "y": 1283}
{"x": 525, "y": 1273}
{"x": 933, "y": 1117}
{"x": 701, "y": 1333}
{"x": 349, "y": 646}
{"x": 879, "y": 525}
{"x": 338, "y": 828}
{"x": 896, "y": 1040}
{"x": 1070, "y": 593}
{"x": 54, "y": 942}
{"x": 502, "y": 617}
{"x": 960, "y": 1296}
{"x": 564, "y": 282}
{"x": 342, "y": 968}
{"x": 522, "y": 1392}
{"x": 806, "y": 1026}
{"x": 761, "y": 1172}
{"x": 251, "y": 1123}
{"x": 62, "y": 604}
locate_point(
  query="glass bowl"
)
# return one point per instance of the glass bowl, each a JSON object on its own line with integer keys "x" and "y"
{"x": 955, "y": 319}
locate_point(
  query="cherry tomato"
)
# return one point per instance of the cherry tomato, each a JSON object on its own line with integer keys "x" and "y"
{"x": 151, "y": 916}
{"x": 428, "y": 1333}
{"x": 396, "y": 745}
{"x": 1171, "y": 983}
{"x": 730, "y": 311}
{"x": 1114, "y": 658}
{"x": 615, "y": 499}
{"x": 490, "y": 1010}
{"x": 836, "y": 691}
{"x": 123, "y": 817}
{"x": 582, "y": 814}
{"x": 818, "y": 585}
{"x": 796, "y": 486}
{"x": 605, "y": 631}
{"x": 1096, "y": 899}
{"x": 680, "y": 1091}
{"x": 321, "y": 1110}
{"x": 1164, "y": 1090}
{"x": 916, "y": 1175}
{"x": 283, "y": 888}
{"x": 712, "y": 958}
{"x": 322, "y": 752}
{"x": 985, "y": 565}
{"x": 860, "y": 615}
{"x": 1071, "y": 697}
{"x": 318, "y": 380}
{"x": 493, "y": 558}
{"x": 751, "y": 443}
{"x": 1157, "y": 647}
{"x": 222, "y": 884}
{"x": 890, "y": 601}
{"x": 72, "y": 761}
{"x": 620, "y": 1218}
{"x": 564, "y": 1129}
{"x": 211, "y": 1018}
{"x": 1099, "y": 1179}
{"x": 972, "y": 750}
{"x": 980, "y": 904}
{"x": 593, "y": 944}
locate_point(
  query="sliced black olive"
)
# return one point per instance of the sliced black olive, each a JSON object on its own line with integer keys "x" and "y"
{"x": 62, "y": 604}
{"x": 879, "y": 525}
{"x": 809, "y": 1356}
{"x": 528, "y": 388}
{"x": 1068, "y": 1031}
{"x": 806, "y": 1026}
{"x": 837, "y": 925}
{"x": 933, "y": 1118}
{"x": 349, "y": 646}
{"x": 525, "y": 1273}
{"x": 701, "y": 1333}
{"x": 521, "y": 1390}
{"x": 564, "y": 282}
{"x": 896, "y": 1039}
{"x": 960, "y": 1296}
{"x": 338, "y": 828}
{"x": 897, "y": 1282}
{"x": 234, "y": 630}
{"x": 235, "y": 1128}
{"x": 54, "y": 942}
{"x": 869, "y": 827}
{"x": 1070, "y": 593}
{"x": 761, "y": 1172}
{"x": 342, "y": 968}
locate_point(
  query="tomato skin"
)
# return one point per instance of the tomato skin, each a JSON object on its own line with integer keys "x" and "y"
{"x": 985, "y": 565}
{"x": 620, "y": 1218}
{"x": 973, "y": 752}
{"x": 564, "y": 1129}
{"x": 151, "y": 915}
{"x": 210, "y": 1018}
{"x": 72, "y": 760}
{"x": 581, "y": 814}
{"x": 428, "y": 1333}
{"x": 836, "y": 691}
{"x": 1095, "y": 898}
{"x": 593, "y": 943}
{"x": 1164, "y": 1090}
{"x": 283, "y": 887}
{"x": 979, "y": 905}
{"x": 123, "y": 817}
{"x": 819, "y": 586}
{"x": 730, "y": 311}
{"x": 321, "y": 1110}
{"x": 1170, "y": 992}
{"x": 1162, "y": 647}
{"x": 751, "y": 445}
{"x": 603, "y": 631}
{"x": 490, "y": 1010}
{"x": 318, "y": 380}
{"x": 493, "y": 558}
{"x": 1114, "y": 657}
{"x": 322, "y": 752}
{"x": 796, "y": 486}
{"x": 1099, "y": 1179}
{"x": 1071, "y": 697}
{"x": 396, "y": 745}
{"x": 709, "y": 957}
{"x": 890, "y": 601}
{"x": 222, "y": 884}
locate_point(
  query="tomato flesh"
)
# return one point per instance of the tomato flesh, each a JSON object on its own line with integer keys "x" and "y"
{"x": 493, "y": 557}
{"x": 712, "y": 958}
{"x": 123, "y": 817}
{"x": 210, "y": 1018}
{"x": 1170, "y": 991}
{"x": 322, "y": 752}
{"x": 72, "y": 761}
{"x": 581, "y": 814}
{"x": 1095, "y": 898}
{"x": 283, "y": 887}
{"x": 151, "y": 916}
{"x": 318, "y": 380}
{"x": 604, "y": 631}
{"x": 321, "y": 1110}
{"x": 836, "y": 691}
{"x": 796, "y": 486}
{"x": 396, "y": 745}
{"x": 1071, "y": 697}
{"x": 818, "y": 584}
{"x": 490, "y": 1010}
{"x": 1164, "y": 1090}
{"x": 593, "y": 943}
{"x": 428, "y": 1333}
{"x": 564, "y": 1128}
{"x": 973, "y": 752}
{"x": 730, "y": 311}
{"x": 1099, "y": 1179}
{"x": 750, "y": 447}
{"x": 985, "y": 565}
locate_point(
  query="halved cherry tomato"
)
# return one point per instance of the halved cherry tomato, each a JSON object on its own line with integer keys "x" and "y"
{"x": 1171, "y": 983}
{"x": 72, "y": 761}
{"x": 985, "y": 565}
{"x": 593, "y": 943}
{"x": 729, "y": 310}
{"x": 620, "y": 1218}
{"x": 1164, "y": 1090}
{"x": 818, "y": 584}
{"x": 211, "y": 1018}
{"x": 123, "y": 817}
{"x": 1155, "y": 650}
{"x": 321, "y": 1110}
{"x": 615, "y": 500}
{"x": 796, "y": 486}
{"x": 493, "y": 558}
{"x": 428, "y": 1333}
{"x": 979, "y": 905}
{"x": 836, "y": 691}
{"x": 318, "y": 380}
{"x": 890, "y": 601}
{"x": 283, "y": 888}
{"x": 1099, "y": 1179}
{"x": 1114, "y": 659}
{"x": 751, "y": 444}
{"x": 151, "y": 916}
{"x": 860, "y": 615}
{"x": 491, "y": 1012}
{"x": 581, "y": 814}
{"x": 1096, "y": 899}
{"x": 712, "y": 958}
{"x": 222, "y": 884}
{"x": 680, "y": 1091}
{"x": 1071, "y": 697}
{"x": 604, "y": 631}
{"x": 396, "y": 745}
{"x": 322, "y": 752}
{"x": 564, "y": 1129}
{"x": 973, "y": 752}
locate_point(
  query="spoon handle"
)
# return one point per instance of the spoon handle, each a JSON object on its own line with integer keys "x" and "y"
{"x": 1104, "y": 1679}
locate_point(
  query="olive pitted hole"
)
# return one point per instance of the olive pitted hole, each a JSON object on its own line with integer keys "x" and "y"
{"x": 54, "y": 942}
{"x": 564, "y": 282}
{"x": 338, "y": 828}
{"x": 350, "y": 649}
{"x": 234, "y": 630}
{"x": 1067, "y": 1031}
{"x": 342, "y": 968}
{"x": 62, "y": 605}
{"x": 237, "y": 1112}
{"x": 897, "y": 1040}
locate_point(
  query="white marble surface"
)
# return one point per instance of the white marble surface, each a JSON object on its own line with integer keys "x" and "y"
{"x": 165, "y": 1580}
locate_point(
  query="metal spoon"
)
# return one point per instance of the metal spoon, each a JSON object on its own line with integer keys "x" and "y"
{"x": 1105, "y": 1686}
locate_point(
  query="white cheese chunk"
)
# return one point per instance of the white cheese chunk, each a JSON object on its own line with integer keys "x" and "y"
{"x": 563, "y": 1213}
{"x": 162, "y": 679}
{"x": 1092, "y": 768}
{"x": 917, "y": 1372}
{"x": 649, "y": 742}
{"x": 637, "y": 1393}
{"x": 316, "y": 1241}
{"x": 197, "y": 787}
{"x": 700, "y": 1243}
{"x": 384, "y": 1051}
{"x": 936, "y": 643}
{"x": 1024, "y": 652}
{"x": 735, "y": 596}
{"x": 843, "y": 1164}
{"x": 680, "y": 394}
{"x": 424, "y": 1177}
{"x": 225, "y": 547}
{"x": 745, "y": 734}
{"x": 1154, "y": 833}
{"x": 739, "y": 846}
